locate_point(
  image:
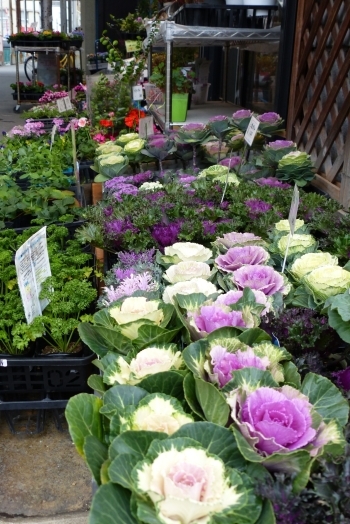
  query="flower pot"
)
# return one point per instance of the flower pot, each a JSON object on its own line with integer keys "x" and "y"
{"x": 179, "y": 107}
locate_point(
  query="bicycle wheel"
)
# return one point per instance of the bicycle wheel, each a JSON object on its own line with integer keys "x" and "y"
{"x": 30, "y": 67}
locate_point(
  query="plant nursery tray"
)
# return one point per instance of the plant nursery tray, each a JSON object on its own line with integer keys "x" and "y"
{"x": 44, "y": 376}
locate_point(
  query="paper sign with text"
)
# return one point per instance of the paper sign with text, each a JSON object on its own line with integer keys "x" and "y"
{"x": 146, "y": 127}
{"x": 252, "y": 129}
{"x": 293, "y": 210}
{"x": 64, "y": 104}
{"x": 137, "y": 93}
{"x": 132, "y": 45}
{"x": 33, "y": 267}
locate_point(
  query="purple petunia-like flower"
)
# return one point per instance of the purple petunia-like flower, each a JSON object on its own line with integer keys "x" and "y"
{"x": 256, "y": 206}
{"x": 237, "y": 257}
{"x": 242, "y": 113}
{"x": 223, "y": 362}
{"x": 272, "y": 182}
{"x": 275, "y": 420}
{"x": 166, "y": 235}
{"x": 217, "y": 316}
{"x": 231, "y": 162}
{"x": 140, "y": 178}
{"x": 261, "y": 278}
{"x": 279, "y": 144}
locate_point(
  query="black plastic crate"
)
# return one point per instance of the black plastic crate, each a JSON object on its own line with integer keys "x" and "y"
{"x": 49, "y": 374}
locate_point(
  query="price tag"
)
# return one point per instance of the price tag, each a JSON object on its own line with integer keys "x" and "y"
{"x": 3, "y": 363}
{"x": 146, "y": 126}
{"x": 252, "y": 129}
{"x": 132, "y": 45}
{"x": 293, "y": 210}
{"x": 137, "y": 93}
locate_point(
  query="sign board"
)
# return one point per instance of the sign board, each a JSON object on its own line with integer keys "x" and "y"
{"x": 64, "y": 104}
{"x": 146, "y": 126}
{"x": 33, "y": 267}
{"x": 137, "y": 93}
{"x": 252, "y": 129}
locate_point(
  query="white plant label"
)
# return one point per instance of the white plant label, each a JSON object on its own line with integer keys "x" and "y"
{"x": 252, "y": 129}
{"x": 3, "y": 363}
{"x": 33, "y": 267}
{"x": 53, "y": 132}
{"x": 146, "y": 126}
{"x": 137, "y": 93}
{"x": 291, "y": 219}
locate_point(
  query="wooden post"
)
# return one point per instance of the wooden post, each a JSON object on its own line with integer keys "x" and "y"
{"x": 345, "y": 177}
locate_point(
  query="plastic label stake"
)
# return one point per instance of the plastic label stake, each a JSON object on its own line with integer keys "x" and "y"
{"x": 137, "y": 93}
{"x": 252, "y": 130}
{"x": 292, "y": 219}
{"x": 146, "y": 126}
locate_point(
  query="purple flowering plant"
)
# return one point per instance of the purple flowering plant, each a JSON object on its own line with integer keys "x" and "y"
{"x": 159, "y": 147}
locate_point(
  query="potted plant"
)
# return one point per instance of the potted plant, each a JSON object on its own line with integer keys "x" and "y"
{"x": 182, "y": 85}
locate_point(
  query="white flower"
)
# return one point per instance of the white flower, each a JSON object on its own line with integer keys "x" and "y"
{"x": 159, "y": 414}
{"x": 186, "y": 271}
{"x": 196, "y": 285}
{"x": 151, "y": 186}
{"x": 186, "y": 486}
{"x": 187, "y": 251}
{"x": 147, "y": 362}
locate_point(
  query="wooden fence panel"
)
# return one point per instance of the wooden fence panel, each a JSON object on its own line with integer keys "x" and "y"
{"x": 319, "y": 104}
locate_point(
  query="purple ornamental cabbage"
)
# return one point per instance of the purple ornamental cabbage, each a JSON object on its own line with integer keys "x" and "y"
{"x": 280, "y": 144}
{"x": 232, "y": 162}
{"x": 223, "y": 363}
{"x": 217, "y": 316}
{"x": 261, "y": 278}
{"x": 269, "y": 123}
{"x": 242, "y": 113}
{"x": 343, "y": 378}
{"x": 238, "y": 239}
{"x": 272, "y": 182}
{"x": 274, "y": 420}
{"x": 237, "y": 257}
{"x": 231, "y": 297}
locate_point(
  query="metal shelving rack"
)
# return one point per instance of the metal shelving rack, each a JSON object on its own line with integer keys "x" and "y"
{"x": 171, "y": 34}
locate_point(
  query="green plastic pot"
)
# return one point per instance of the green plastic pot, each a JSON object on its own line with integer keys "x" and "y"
{"x": 179, "y": 103}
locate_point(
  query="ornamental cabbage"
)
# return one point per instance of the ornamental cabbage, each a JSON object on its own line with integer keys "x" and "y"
{"x": 187, "y": 251}
{"x": 187, "y": 271}
{"x": 307, "y": 263}
{"x": 237, "y": 257}
{"x": 134, "y": 146}
{"x": 127, "y": 137}
{"x": 297, "y": 244}
{"x": 283, "y": 225}
{"x": 327, "y": 281}
{"x": 196, "y": 285}
{"x": 137, "y": 308}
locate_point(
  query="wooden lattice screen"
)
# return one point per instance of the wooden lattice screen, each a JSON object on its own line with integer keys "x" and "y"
{"x": 319, "y": 105}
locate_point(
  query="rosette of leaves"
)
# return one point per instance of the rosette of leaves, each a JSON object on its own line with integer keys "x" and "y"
{"x": 274, "y": 152}
{"x": 193, "y": 134}
{"x": 270, "y": 123}
{"x": 159, "y": 147}
{"x": 317, "y": 411}
{"x": 296, "y": 167}
{"x": 241, "y": 119}
{"x": 109, "y": 165}
{"x": 126, "y": 331}
{"x": 205, "y": 380}
{"x": 120, "y": 460}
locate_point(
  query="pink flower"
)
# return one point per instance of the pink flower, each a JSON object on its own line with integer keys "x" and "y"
{"x": 275, "y": 420}
{"x": 237, "y": 257}
{"x": 223, "y": 362}
{"x": 82, "y": 121}
{"x": 99, "y": 138}
{"x": 262, "y": 278}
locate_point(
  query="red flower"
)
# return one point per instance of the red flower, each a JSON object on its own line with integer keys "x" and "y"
{"x": 133, "y": 117}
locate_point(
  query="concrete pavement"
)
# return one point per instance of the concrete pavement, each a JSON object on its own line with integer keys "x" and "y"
{"x": 8, "y": 118}
{"x": 79, "y": 518}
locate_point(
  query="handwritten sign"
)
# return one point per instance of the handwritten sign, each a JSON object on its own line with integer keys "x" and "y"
{"x": 252, "y": 129}
{"x": 146, "y": 126}
{"x": 33, "y": 267}
{"x": 137, "y": 93}
{"x": 64, "y": 104}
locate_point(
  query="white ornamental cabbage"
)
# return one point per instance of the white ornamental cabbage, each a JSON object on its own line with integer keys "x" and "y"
{"x": 159, "y": 413}
{"x": 283, "y": 225}
{"x": 134, "y": 146}
{"x": 156, "y": 359}
{"x": 196, "y": 285}
{"x": 186, "y": 486}
{"x": 188, "y": 251}
{"x": 297, "y": 244}
{"x": 108, "y": 147}
{"x": 111, "y": 159}
{"x": 327, "y": 281}
{"x": 307, "y": 263}
{"x": 124, "y": 139}
{"x": 187, "y": 271}
{"x": 136, "y": 308}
